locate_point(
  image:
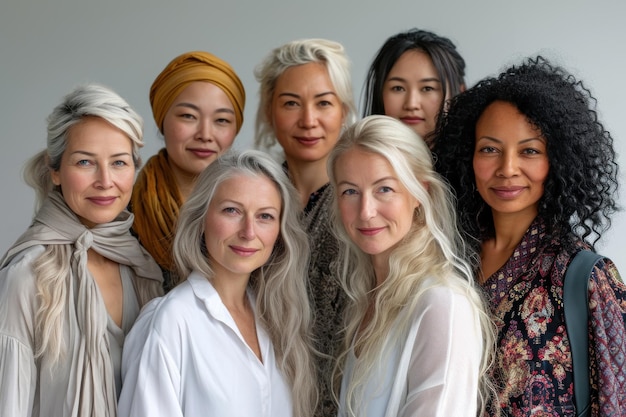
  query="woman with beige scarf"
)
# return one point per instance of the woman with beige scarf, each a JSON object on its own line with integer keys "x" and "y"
{"x": 197, "y": 103}
{"x": 74, "y": 282}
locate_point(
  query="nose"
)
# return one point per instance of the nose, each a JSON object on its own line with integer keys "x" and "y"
{"x": 205, "y": 130}
{"x": 247, "y": 228}
{"x": 104, "y": 179}
{"x": 509, "y": 165}
{"x": 308, "y": 117}
{"x": 412, "y": 100}
{"x": 368, "y": 207}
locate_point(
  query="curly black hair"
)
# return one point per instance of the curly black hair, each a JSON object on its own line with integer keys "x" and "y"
{"x": 580, "y": 191}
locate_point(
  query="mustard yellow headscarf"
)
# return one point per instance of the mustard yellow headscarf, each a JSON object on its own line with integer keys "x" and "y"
{"x": 190, "y": 67}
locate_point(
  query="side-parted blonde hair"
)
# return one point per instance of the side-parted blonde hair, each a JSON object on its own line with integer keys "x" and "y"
{"x": 299, "y": 52}
{"x": 432, "y": 254}
{"x": 280, "y": 285}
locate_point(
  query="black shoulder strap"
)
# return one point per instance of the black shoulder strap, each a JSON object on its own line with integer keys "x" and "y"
{"x": 576, "y": 306}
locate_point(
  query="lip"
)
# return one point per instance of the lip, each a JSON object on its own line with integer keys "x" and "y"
{"x": 203, "y": 153}
{"x": 412, "y": 120}
{"x": 508, "y": 193}
{"x": 370, "y": 231}
{"x": 243, "y": 251}
{"x": 308, "y": 140}
{"x": 102, "y": 201}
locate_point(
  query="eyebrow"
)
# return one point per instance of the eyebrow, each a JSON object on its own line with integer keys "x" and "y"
{"x": 288, "y": 94}
{"x": 375, "y": 182}
{"x": 423, "y": 80}
{"x": 237, "y": 203}
{"x": 79, "y": 152}
{"x": 196, "y": 108}
{"x": 492, "y": 139}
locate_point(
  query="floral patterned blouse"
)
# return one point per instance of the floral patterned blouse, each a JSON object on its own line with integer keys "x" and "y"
{"x": 534, "y": 364}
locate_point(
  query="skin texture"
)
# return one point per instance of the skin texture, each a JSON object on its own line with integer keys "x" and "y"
{"x": 241, "y": 226}
{"x": 413, "y": 92}
{"x": 306, "y": 113}
{"x": 97, "y": 172}
{"x": 199, "y": 125}
{"x": 376, "y": 209}
{"x": 511, "y": 166}
{"x": 510, "y": 162}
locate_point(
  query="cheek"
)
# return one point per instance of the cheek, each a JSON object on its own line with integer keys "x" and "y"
{"x": 390, "y": 103}
{"x": 126, "y": 180}
{"x": 227, "y": 136}
{"x": 174, "y": 133}
{"x": 347, "y": 212}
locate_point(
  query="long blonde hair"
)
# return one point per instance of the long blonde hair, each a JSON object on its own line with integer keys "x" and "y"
{"x": 432, "y": 254}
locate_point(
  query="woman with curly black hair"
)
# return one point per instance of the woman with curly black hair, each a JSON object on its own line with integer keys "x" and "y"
{"x": 535, "y": 175}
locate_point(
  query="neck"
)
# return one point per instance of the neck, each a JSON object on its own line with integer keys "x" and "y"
{"x": 510, "y": 229}
{"x": 232, "y": 291}
{"x": 381, "y": 268}
{"x": 307, "y": 177}
{"x": 185, "y": 184}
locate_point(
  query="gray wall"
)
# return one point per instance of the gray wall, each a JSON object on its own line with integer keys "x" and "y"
{"x": 45, "y": 50}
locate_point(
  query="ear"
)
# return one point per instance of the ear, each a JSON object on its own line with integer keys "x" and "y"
{"x": 462, "y": 88}
{"x": 55, "y": 176}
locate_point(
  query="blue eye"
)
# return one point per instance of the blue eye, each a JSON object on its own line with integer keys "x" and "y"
{"x": 349, "y": 191}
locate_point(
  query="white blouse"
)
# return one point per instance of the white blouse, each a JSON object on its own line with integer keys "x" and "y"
{"x": 186, "y": 357}
{"x": 441, "y": 379}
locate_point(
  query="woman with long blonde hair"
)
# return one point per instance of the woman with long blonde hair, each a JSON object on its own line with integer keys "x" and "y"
{"x": 418, "y": 338}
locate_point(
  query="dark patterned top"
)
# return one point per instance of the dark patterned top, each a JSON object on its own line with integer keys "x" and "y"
{"x": 534, "y": 363}
{"x": 327, "y": 297}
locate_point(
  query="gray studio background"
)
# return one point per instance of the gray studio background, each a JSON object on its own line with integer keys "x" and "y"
{"x": 47, "y": 47}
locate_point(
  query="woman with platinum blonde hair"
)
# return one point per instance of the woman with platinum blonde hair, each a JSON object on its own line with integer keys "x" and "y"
{"x": 418, "y": 338}
{"x": 233, "y": 337}
{"x": 74, "y": 282}
{"x": 305, "y": 101}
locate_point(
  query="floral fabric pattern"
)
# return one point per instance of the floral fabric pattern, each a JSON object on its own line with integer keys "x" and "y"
{"x": 534, "y": 363}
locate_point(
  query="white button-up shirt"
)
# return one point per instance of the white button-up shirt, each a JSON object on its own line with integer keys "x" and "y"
{"x": 186, "y": 357}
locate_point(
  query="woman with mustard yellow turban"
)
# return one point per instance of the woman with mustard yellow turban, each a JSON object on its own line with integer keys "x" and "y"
{"x": 197, "y": 103}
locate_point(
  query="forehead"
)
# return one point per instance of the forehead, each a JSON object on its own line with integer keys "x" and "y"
{"x": 351, "y": 164}
{"x": 96, "y": 135}
{"x": 203, "y": 93}
{"x": 312, "y": 76}
{"x": 503, "y": 119}
{"x": 248, "y": 187}
{"x": 414, "y": 62}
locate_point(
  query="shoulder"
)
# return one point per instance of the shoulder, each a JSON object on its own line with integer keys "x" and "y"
{"x": 18, "y": 271}
{"x": 440, "y": 298}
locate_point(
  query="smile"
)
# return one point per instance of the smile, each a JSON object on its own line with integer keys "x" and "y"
{"x": 370, "y": 231}
{"x": 242, "y": 251}
{"x": 203, "y": 153}
{"x": 508, "y": 193}
{"x": 308, "y": 141}
{"x": 102, "y": 201}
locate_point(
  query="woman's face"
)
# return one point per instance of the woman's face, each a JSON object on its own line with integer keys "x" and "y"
{"x": 97, "y": 171}
{"x": 199, "y": 125}
{"x": 413, "y": 92}
{"x": 376, "y": 209}
{"x": 510, "y": 161}
{"x": 306, "y": 113}
{"x": 242, "y": 224}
